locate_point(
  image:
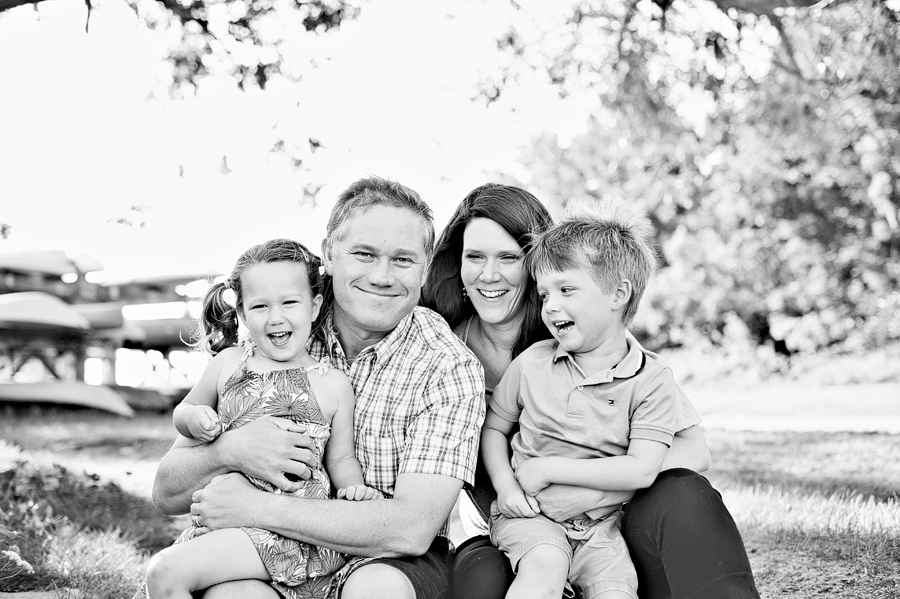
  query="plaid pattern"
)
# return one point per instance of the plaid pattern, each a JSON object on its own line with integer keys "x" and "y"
{"x": 419, "y": 400}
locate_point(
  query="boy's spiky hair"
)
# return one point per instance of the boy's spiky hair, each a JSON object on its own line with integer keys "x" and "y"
{"x": 609, "y": 237}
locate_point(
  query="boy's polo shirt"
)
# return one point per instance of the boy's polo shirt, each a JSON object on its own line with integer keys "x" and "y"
{"x": 561, "y": 411}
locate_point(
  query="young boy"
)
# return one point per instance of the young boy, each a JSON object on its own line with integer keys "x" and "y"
{"x": 594, "y": 410}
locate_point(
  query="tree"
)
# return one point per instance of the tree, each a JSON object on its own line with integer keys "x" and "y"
{"x": 764, "y": 141}
{"x": 253, "y": 40}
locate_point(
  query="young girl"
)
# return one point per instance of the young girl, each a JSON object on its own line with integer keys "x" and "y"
{"x": 277, "y": 290}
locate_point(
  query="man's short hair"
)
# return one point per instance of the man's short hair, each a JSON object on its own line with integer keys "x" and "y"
{"x": 609, "y": 238}
{"x": 376, "y": 191}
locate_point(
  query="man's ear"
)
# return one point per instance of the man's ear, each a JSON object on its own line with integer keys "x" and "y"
{"x": 327, "y": 259}
{"x": 622, "y": 294}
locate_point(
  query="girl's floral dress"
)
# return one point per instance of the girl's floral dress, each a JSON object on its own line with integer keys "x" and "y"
{"x": 298, "y": 570}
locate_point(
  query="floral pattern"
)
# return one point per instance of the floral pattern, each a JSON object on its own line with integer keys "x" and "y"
{"x": 298, "y": 570}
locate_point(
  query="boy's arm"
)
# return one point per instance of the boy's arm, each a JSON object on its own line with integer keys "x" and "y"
{"x": 511, "y": 500}
{"x": 689, "y": 450}
{"x": 564, "y": 502}
{"x": 635, "y": 470}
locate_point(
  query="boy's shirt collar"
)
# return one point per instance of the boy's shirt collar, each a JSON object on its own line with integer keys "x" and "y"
{"x": 625, "y": 369}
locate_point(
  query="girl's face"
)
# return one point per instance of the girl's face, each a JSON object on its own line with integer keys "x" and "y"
{"x": 493, "y": 272}
{"x": 279, "y": 309}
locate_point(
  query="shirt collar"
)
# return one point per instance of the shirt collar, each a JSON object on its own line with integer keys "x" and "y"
{"x": 627, "y": 368}
{"x": 382, "y": 349}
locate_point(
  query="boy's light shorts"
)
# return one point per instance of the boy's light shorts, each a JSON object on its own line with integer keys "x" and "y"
{"x": 598, "y": 557}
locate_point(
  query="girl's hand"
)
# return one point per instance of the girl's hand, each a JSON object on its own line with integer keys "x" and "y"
{"x": 204, "y": 424}
{"x": 533, "y": 476}
{"x": 358, "y": 493}
{"x": 513, "y": 503}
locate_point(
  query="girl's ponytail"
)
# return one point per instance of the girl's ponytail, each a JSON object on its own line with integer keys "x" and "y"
{"x": 218, "y": 321}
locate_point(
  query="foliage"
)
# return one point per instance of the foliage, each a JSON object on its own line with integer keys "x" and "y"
{"x": 50, "y": 515}
{"x": 252, "y": 40}
{"x": 766, "y": 148}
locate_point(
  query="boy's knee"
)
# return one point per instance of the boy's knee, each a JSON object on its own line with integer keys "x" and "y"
{"x": 545, "y": 557}
{"x": 378, "y": 581}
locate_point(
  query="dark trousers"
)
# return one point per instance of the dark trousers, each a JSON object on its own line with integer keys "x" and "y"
{"x": 683, "y": 542}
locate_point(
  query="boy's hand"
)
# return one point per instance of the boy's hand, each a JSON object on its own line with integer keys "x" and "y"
{"x": 513, "y": 503}
{"x": 204, "y": 423}
{"x": 533, "y": 475}
{"x": 358, "y": 493}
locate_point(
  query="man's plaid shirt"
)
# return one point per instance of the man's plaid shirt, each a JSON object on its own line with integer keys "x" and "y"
{"x": 419, "y": 400}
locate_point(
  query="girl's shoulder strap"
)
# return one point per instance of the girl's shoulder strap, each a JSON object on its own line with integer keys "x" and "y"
{"x": 248, "y": 351}
{"x": 321, "y": 367}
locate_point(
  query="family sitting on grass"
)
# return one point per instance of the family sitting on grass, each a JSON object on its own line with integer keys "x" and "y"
{"x": 374, "y": 380}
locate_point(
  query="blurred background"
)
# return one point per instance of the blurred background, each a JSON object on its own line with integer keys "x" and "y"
{"x": 147, "y": 143}
{"x": 144, "y": 144}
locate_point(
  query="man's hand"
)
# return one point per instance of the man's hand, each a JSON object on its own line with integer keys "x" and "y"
{"x": 533, "y": 475}
{"x": 275, "y": 450}
{"x": 228, "y": 501}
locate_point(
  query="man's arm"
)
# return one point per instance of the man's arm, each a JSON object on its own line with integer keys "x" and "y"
{"x": 266, "y": 448}
{"x": 404, "y": 525}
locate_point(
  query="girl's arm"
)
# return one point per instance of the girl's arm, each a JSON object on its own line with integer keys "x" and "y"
{"x": 340, "y": 453}
{"x": 689, "y": 450}
{"x": 635, "y": 470}
{"x": 511, "y": 500}
{"x": 195, "y": 417}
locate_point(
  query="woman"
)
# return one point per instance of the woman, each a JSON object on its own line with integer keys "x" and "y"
{"x": 681, "y": 537}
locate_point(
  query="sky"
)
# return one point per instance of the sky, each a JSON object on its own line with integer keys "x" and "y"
{"x": 89, "y": 130}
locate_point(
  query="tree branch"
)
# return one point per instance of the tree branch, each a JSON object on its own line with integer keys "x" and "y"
{"x": 8, "y": 4}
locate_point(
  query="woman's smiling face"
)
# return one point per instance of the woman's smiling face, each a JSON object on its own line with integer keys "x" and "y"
{"x": 493, "y": 271}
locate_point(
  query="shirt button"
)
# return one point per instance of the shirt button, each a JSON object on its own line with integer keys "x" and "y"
{"x": 581, "y": 387}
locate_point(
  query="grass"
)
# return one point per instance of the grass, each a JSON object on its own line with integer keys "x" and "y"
{"x": 820, "y": 514}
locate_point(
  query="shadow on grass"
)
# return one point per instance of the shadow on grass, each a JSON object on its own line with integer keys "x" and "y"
{"x": 867, "y": 464}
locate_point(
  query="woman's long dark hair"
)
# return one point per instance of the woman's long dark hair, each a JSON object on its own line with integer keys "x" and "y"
{"x": 522, "y": 216}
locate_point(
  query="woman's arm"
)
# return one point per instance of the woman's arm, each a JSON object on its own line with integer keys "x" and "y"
{"x": 689, "y": 450}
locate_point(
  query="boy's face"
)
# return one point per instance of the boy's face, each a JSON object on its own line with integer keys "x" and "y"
{"x": 579, "y": 313}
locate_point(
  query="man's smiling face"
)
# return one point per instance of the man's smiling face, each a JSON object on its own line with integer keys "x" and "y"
{"x": 378, "y": 269}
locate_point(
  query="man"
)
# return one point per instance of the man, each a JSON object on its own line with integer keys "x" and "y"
{"x": 419, "y": 409}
